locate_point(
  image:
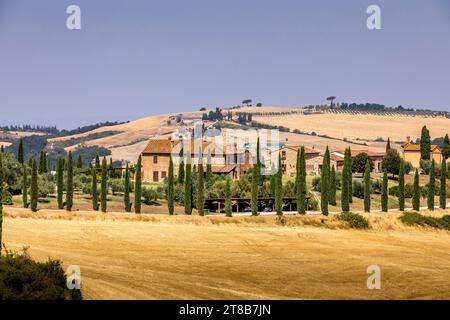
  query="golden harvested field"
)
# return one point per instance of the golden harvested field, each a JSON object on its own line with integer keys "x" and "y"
{"x": 361, "y": 126}
{"x": 125, "y": 256}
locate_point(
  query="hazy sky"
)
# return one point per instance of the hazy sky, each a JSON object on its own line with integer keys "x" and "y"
{"x": 137, "y": 58}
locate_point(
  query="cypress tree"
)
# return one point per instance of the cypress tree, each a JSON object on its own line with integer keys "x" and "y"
{"x": 279, "y": 189}
{"x": 188, "y": 188}
{"x": 425, "y": 144}
{"x": 258, "y": 162}
{"x": 384, "y": 193}
{"x": 388, "y": 145}
{"x": 345, "y": 205}
{"x": 69, "y": 188}
{"x": 332, "y": 195}
{"x": 350, "y": 176}
{"x": 34, "y": 187}
{"x": 1, "y": 203}
{"x": 401, "y": 186}
{"x": 60, "y": 182}
{"x": 416, "y": 192}
{"x": 79, "y": 162}
{"x": 431, "y": 186}
{"x": 324, "y": 183}
{"x": 181, "y": 166}
{"x": 126, "y": 195}
{"x": 94, "y": 191}
{"x": 20, "y": 152}
{"x": 97, "y": 162}
{"x": 30, "y": 162}
{"x": 170, "y": 188}
{"x": 228, "y": 208}
{"x": 367, "y": 187}
{"x": 41, "y": 161}
{"x": 443, "y": 186}
{"x": 2, "y": 150}
{"x": 138, "y": 186}
{"x": 104, "y": 186}
{"x": 200, "y": 187}
{"x": 24, "y": 186}
{"x": 446, "y": 148}
{"x": 209, "y": 174}
{"x": 301, "y": 183}
{"x": 254, "y": 202}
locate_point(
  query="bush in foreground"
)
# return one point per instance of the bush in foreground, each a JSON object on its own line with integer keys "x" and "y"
{"x": 355, "y": 220}
{"x": 416, "y": 219}
{"x": 21, "y": 278}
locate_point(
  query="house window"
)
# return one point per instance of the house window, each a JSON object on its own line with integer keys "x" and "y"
{"x": 155, "y": 159}
{"x": 163, "y": 174}
{"x": 283, "y": 155}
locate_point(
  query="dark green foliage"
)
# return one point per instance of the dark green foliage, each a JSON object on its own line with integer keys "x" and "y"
{"x": 181, "y": 172}
{"x": 20, "y": 157}
{"x": 60, "y": 182}
{"x": 209, "y": 174}
{"x": 188, "y": 188}
{"x": 367, "y": 187}
{"x": 126, "y": 193}
{"x": 391, "y": 162}
{"x": 384, "y": 193}
{"x": 24, "y": 186}
{"x": 350, "y": 175}
{"x": 360, "y": 161}
{"x": 443, "y": 187}
{"x": 104, "y": 186}
{"x": 425, "y": 144}
{"x": 34, "y": 192}
{"x": 254, "y": 198}
{"x": 1, "y": 202}
{"x": 170, "y": 188}
{"x": 200, "y": 188}
{"x": 69, "y": 188}
{"x": 24, "y": 279}
{"x": 416, "y": 192}
{"x": 79, "y": 162}
{"x": 97, "y": 162}
{"x": 324, "y": 182}
{"x": 412, "y": 218}
{"x": 354, "y": 220}
{"x": 279, "y": 189}
{"x": 388, "y": 145}
{"x": 345, "y": 193}
{"x": 228, "y": 208}
{"x": 301, "y": 182}
{"x": 138, "y": 186}
{"x": 431, "y": 187}
{"x": 94, "y": 191}
{"x": 401, "y": 187}
{"x": 332, "y": 187}
{"x": 258, "y": 163}
{"x": 446, "y": 147}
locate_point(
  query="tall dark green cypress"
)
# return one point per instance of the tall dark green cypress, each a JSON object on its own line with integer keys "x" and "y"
{"x": 188, "y": 188}
{"x": 416, "y": 192}
{"x": 170, "y": 188}
{"x": 181, "y": 172}
{"x": 384, "y": 193}
{"x": 425, "y": 144}
{"x": 34, "y": 192}
{"x": 228, "y": 207}
{"x": 69, "y": 188}
{"x": 401, "y": 186}
{"x": 301, "y": 183}
{"x": 94, "y": 191}
{"x": 345, "y": 205}
{"x": 20, "y": 157}
{"x": 279, "y": 189}
{"x": 254, "y": 199}
{"x": 97, "y": 162}
{"x": 209, "y": 174}
{"x": 443, "y": 186}
{"x": 138, "y": 186}
{"x": 332, "y": 194}
{"x": 200, "y": 187}
{"x": 126, "y": 194}
{"x": 367, "y": 187}
{"x": 258, "y": 162}
{"x": 431, "y": 186}
{"x": 79, "y": 162}
{"x": 324, "y": 182}
{"x": 388, "y": 145}
{"x": 24, "y": 186}
{"x": 60, "y": 182}
{"x": 350, "y": 175}
{"x": 41, "y": 161}
{"x": 1, "y": 203}
{"x": 104, "y": 186}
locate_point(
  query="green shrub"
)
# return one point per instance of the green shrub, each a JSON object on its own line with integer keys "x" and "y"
{"x": 355, "y": 220}
{"x": 116, "y": 185}
{"x": 316, "y": 184}
{"x": 414, "y": 218}
{"x": 150, "y": 195}
{"x": 377, "y": 186}
{"x": 358, "y": 189}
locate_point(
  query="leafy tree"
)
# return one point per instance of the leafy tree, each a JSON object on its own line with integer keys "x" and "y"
{"x": 254, "y": 199}
{"x": 34, "y": 187}
{"x": 367, "y": 187}
{"x": 446, "y": 148}
{"x": 431, "y": 186}
{"x": 170, "y": 189}
{"x": 324, "y": 182}
{"x": 279, "y": 189}
{"x": 200, "y": 188}
{"x": 391, "y": 161}
{"x": 384, "y": 193}
{"x": 401, "y": 186}
{"x": 443, "y": 186}
{"x": 181, "y": 173}
{"x": 301, "y": 181}
{"x": 425, "y": 144}
{"x": 228, "y": 208}
{"x": 126, "y": 194}
{"x": 20, "y": 156}
{"x": 94, "y": 191}
{"x": 104, "y": 186}
{"x": 60, "y": 182}
{"x": 332, "y": 188}
{"x": 69, "y": 189}
{"x": 359, "y": 163}
{"x": 416, "y": 192}
{"x": 138, "y": 186}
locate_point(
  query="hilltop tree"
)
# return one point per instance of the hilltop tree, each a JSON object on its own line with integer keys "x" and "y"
{"x": 443, "y": 186}
{"x": 104, "y": 186}
{"x": 24, "y": 186}
{"x": 34, "y": 187}
{"x": 94, "y": 191}
{"x": 332, "y": 188}
{"x": 181, "y": 166}
{"x": 69, "y": 189}
{"x": 126, "y": 194}
{"x": 416, "y": 192}
{"x": 431, "y": 186}
{"x": 401, "y": 186}
{"x": 200, "y": 187}
{"x": 20, "y": 156}
{"x": 188, "y": 188}
{"x": 367, "y": 187}
{"x": 254, "y": 199}
{"x": 170, "y": 188}
{"x": 388, "y": 145}
{"x": 345, "y": 193}
{"x": 384, "y": 193}
{"x": 391, "y": 162}
{"x": 279, "y": 189}
{"x": 425, "y": 144}
{"x": 79, "y": 162}
{"x": 300, "y": 181}
{"x": 138, "y": 186}
{"x": 324, "y": 182}
{"x": 60, "y": 182}
{"x": 446, "y": 148}
{"x": 228, "y": 208}
{"x": 331, "y": 99}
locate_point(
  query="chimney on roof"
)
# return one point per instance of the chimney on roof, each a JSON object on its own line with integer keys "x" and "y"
{"x": 408, "y": 139}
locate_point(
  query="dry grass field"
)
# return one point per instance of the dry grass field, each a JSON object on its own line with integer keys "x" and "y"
{"x": 124, "y": 256}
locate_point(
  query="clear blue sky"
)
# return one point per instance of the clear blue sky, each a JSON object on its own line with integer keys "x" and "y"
{"x": 136, "y": 58}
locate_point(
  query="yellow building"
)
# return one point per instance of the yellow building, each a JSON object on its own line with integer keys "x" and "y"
{"x": 411, "y": 153}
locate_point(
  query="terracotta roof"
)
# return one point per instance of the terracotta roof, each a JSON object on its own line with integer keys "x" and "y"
{"x": 165, "y": 146}
{"x": 368, "y": 152}
{"x": 416, "y": 147}
{"x": 223, "y": 169}
{"x": 335, "y": 157}
{"x": 297, "y": 147}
